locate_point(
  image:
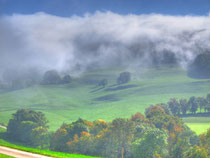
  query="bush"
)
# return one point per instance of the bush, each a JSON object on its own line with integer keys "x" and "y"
{"x": 124, "y": 77}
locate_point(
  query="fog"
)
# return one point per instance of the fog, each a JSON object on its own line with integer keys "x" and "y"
{"x": 41, "y": 41}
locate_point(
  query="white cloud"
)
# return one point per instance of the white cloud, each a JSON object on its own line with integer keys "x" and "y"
{"x": 47, "y": 41}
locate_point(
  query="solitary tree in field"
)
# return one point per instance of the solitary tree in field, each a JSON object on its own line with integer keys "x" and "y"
{"x": 51, "y": 77}
{"x": 124, "y": 77}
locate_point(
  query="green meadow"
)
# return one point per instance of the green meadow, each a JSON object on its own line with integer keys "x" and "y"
{"x": 198, "y": 124}
{"x": 83, "y": 98}
{"x": 5, "y": 156}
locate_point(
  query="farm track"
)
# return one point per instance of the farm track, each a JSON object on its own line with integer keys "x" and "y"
{"x": 19, "y": 154}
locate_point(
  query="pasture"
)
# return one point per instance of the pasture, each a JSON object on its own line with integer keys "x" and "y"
{"x": 83, "y": 98}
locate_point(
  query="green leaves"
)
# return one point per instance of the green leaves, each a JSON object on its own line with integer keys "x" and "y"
{"x": 25, "y": 123}
{"x": 152, "y": 143}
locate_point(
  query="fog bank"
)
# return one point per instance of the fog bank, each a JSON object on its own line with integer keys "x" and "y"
{"x": 74, "y": 44}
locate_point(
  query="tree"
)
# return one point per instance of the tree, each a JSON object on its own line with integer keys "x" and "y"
{"x": 207, "y": 107}
{"x": 116, "y": 140}
{"x": 153, "y": 143}
{"x": 201, "y": 102}
{"x": 66, "y": 79}
{"x": 98, "y": 125}
{"x": 205, "y": 140}
{"x": 184, "y": 140}
{"x": 23, "y": 131}
{"x": 193, "y": 104}
{"x": 153, "y": 109}
{"x": 179, "y": 149}
{"x": 85, "y": 144}
{"x": 40, "y": 137}
{"x": 190, "y": 136}
{"x": 51, "y": 77}
{"x": 166, "y": 108}
{"x": 208, "y": 98}
{"x": 59, "y": 139}
{"x": 197, "y": 152}
{"x": 184, "y": 105}
{"x": 23, "y": 123}
{"x": 124, "y": 77}
{"x": 156, "y": 115}
{"x": 67, "y": 133}
{"x": 122, "y": 135}
{"x": 174, "y": 106}
{"x": 138, "y": 116}
{"x": 30, "y": 115}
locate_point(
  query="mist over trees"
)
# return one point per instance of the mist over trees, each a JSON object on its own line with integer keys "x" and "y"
{"x": 200, "y": 67}
{"x": 13, "y": 79}
{"x": 66, "y": 79}
{"x": 142, "y": 40}
{"x": 52, "y": 77}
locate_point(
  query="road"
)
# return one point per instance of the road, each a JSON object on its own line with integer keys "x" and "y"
{"x": 3, "y": 127}
{"x": 19, "y": 154}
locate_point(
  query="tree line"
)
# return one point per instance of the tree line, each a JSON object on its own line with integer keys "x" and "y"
{"x": 158, "y": 134}
{"x": 12, "y": 80}
{"x": 192, "y": 105}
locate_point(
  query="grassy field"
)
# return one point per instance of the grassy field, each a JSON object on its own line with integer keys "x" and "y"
{"x": 82, "y": 98}
{"x": 5, "y": 156}
{"x": 5, "y": 142}
{"x": 198, "y": 124}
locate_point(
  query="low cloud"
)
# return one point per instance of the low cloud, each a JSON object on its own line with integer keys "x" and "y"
{"x": 44, "y": 41}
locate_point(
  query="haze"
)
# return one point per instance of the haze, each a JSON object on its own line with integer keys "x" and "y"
{"x": 76, "y": 43}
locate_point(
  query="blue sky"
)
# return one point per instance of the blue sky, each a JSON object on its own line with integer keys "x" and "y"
{"x": 79, "y": 7}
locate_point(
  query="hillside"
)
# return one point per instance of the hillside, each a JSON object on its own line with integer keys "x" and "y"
{"x": 82, "y": 98}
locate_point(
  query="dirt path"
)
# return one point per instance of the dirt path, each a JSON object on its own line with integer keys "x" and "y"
{"x": 18, "y": 153}
{"x": 3, "y": 127}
